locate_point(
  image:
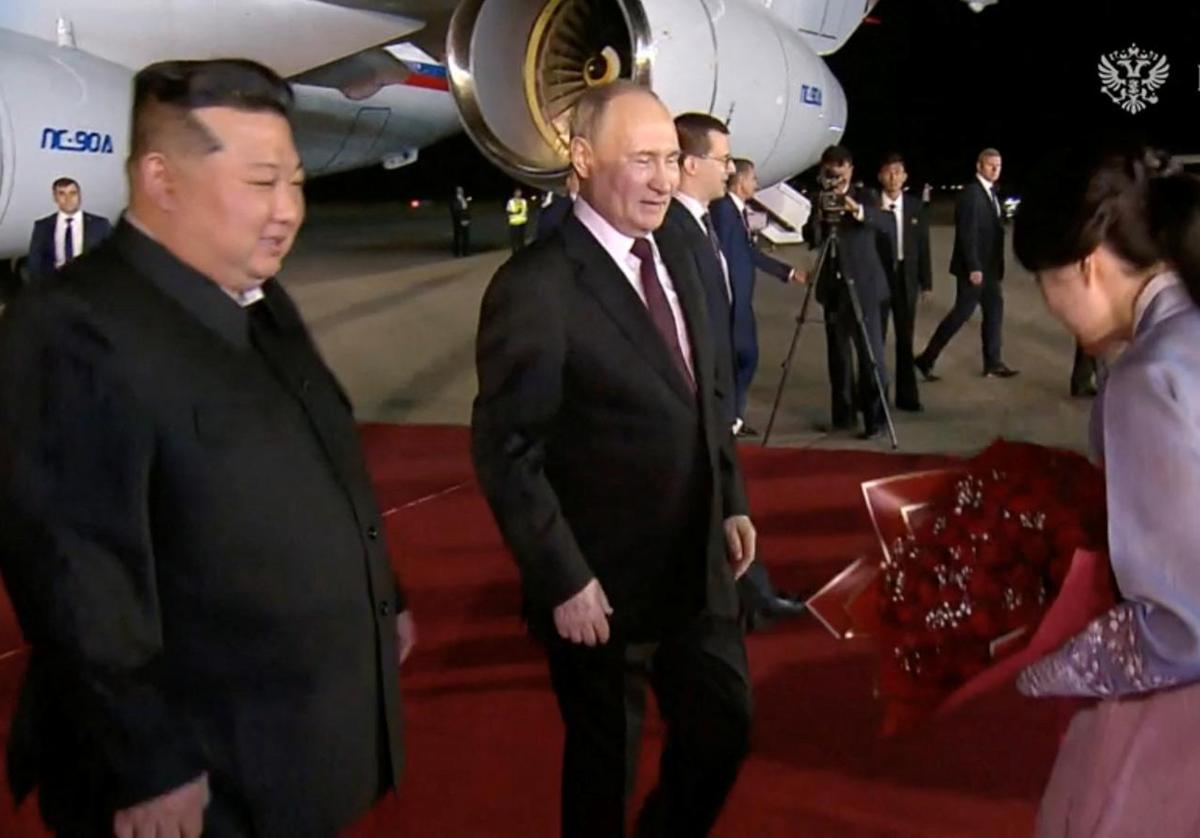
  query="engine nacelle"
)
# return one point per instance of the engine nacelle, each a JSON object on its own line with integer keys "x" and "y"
{"x": 63, "y": 113}
{"x": 518, "y": 66}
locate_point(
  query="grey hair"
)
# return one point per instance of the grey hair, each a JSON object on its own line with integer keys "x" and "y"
{"x": 590, "y": 109}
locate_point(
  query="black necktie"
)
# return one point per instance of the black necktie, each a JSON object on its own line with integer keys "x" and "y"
{"x": 69, "y": 242}
{"x": 660, "y": 309}
{"x": 712, "y": 235}
{"x": 894, "y": 209}
{"x": 995, "y": 199}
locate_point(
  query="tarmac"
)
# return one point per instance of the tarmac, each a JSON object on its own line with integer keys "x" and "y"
{"x": 395, "y": 316}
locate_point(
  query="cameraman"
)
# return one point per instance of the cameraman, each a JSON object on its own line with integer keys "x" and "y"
{"x": 863, "y": 250}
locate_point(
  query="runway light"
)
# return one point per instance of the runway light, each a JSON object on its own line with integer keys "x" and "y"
{"x": 415, "y": 203}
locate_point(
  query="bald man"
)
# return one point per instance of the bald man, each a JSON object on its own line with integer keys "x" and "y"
{"x": 601, "y": 440}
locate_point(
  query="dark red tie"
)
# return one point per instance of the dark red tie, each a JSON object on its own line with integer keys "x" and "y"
{"x": 660, "y": 309}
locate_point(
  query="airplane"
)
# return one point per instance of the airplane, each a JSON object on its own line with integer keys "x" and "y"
{"x": 377, "y": 80}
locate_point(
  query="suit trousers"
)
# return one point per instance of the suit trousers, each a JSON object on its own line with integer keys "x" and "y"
{"x": 745, "y": 365}
{"x": 990, "y": 295}
{"x": 516, "y": 236}
{"x": 462, "y": 239}
{"x": 853, "y": 386}
{"x": 1083, "y": 371}
{"x": 903, "y": 309}
{"x": 700, "y": 679}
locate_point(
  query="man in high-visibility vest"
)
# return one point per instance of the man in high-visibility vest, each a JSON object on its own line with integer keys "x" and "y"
{"x": 518, "y": 216}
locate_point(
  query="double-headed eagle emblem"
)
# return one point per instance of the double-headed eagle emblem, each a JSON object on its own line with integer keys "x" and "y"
{"x": 1131, "y": 77}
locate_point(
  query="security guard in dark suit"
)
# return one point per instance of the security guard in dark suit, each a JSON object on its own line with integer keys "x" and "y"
{"x": 190, "y": 539}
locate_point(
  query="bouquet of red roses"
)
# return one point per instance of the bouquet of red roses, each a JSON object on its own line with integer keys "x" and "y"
{"x": 986, "y": 567}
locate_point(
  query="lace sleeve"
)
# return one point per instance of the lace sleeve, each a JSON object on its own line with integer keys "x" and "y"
{"x": 1107, "y": 659}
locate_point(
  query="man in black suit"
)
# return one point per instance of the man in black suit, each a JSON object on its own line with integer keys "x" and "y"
{"x": 600, "y": 440}
{"x": 704, "y": 168}
{"x": 66, "y": 234}
{"x": 745, "y": 260}
{"x": 558, "y": 209}
{"x": 910, "y": 275}
{"x": 460, "y": 220}
{"x": 978, "y": 265}
{"x": 863, "y": 252}
{"x": 190, "y": 539}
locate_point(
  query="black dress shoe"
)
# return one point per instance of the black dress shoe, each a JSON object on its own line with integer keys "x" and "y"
{"x": 781, "y": 607}
{"x": 746, "y": 430}
{"x": 926, "y": 369}
{"x": 911, "y": 407}
{"x": 772, "y": 609}
{"x": 1000, "y": 371}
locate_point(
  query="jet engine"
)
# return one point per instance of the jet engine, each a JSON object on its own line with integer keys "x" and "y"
{"x": 517, "y": 67}
{"x": 63, "y": 113}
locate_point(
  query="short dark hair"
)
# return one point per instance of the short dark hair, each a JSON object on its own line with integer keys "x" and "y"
{"x": 693, "y": 130}
{"x": 63, "y": 183}
{"x": 166, "y": 93}
{"x": 742, "y": 166}
{"x": 892, "y": 157}
{"x": 1135, "y": 201}
{"x": 837, "y": 155}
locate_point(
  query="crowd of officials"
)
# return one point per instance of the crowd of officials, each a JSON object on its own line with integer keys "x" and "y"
{"x": 190, "y": 538}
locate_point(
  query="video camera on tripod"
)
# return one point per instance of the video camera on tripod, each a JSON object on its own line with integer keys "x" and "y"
{"x": 832, "y": 205}
{"x": 831, "y": 197}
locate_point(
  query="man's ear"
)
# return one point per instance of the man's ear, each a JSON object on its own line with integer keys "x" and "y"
{"x": 156, "y": 178}
{"x": 583, "y": 157}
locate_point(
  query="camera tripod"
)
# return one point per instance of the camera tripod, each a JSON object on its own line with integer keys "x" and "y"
{"x": 829, "y": 255}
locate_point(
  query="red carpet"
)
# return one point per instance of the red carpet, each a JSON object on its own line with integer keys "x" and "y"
{"x": 483, "y": 732}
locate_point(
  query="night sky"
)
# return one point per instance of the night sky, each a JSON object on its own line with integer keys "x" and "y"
{"x": 939, "y": 82}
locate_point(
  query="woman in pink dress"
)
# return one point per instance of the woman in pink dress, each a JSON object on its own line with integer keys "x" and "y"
{"x": 1114, "y": 240}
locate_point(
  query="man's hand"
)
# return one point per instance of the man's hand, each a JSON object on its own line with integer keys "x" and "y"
{"x": 406, "y": 635}
{"x": 852, "y": 206}
{"x": 179, "y": 812}
{"x": 584, "y": 617}
{"x": 740, "y": 540}
{"x": 799, "y": 276}
{"x": 976, "y": 277}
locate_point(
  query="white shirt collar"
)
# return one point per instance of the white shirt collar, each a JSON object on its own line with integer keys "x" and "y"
{"x": 74, "y": 216}
{"x": 615, "y": 243}
{"x": 988, "y": 186}
{"x": 1153, "y": 288}
{"x": 694, "y": 206}
{"x": 888, "y": 202}
{"x": 738, "y": 202}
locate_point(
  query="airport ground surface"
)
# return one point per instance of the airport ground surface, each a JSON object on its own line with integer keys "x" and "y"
{"x": 396, "y": 317}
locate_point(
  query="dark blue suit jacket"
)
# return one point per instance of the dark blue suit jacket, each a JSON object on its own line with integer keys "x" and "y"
{"x": 743, "y": 259}
{"x": 41, "y": 244}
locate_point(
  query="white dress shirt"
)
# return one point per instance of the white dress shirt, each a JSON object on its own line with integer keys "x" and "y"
{"x": 620, "y": 247}
{"x": 990, "y": 189}
{"x": 698, "y": 211}
{"x": 60, "y": 236}
{"x": 896, "y": 208}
